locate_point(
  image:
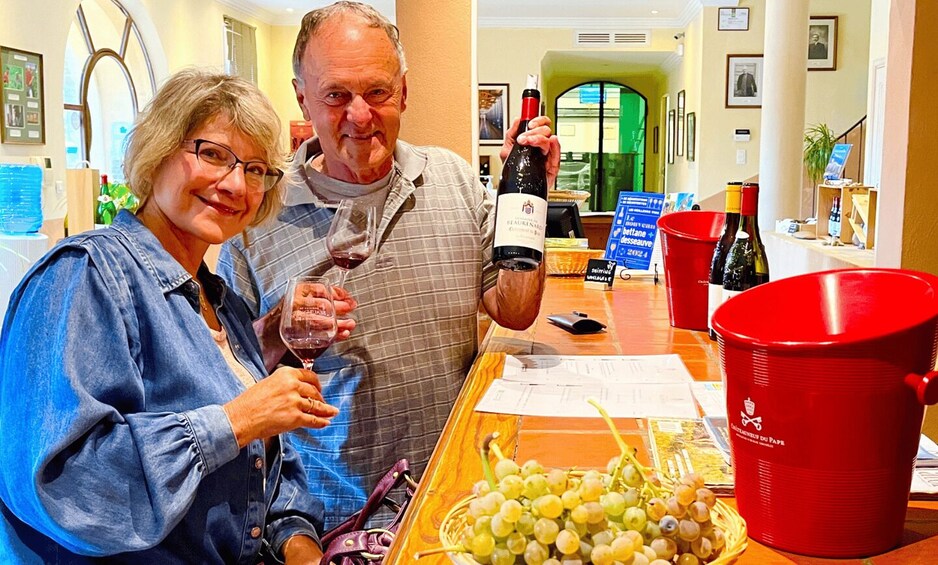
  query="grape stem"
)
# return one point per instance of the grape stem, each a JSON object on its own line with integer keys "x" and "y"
{"x": 438, "y": 550}
{"x": 624, "y": 447}
{"x": 486, "y": 464}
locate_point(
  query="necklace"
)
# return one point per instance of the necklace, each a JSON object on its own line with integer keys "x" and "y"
{"x": 203, "y": 301}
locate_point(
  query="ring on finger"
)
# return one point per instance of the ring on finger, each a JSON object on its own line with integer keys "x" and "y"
{"x": 309, "y": 409}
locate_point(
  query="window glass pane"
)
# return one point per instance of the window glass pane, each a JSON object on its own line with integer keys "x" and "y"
{"x": 73, "y": 154}
{"x": 105, "y": 23}
{"x": 76, "y": 53}
{"x": 139, "y": 69}
{"x": 112, "y": 115}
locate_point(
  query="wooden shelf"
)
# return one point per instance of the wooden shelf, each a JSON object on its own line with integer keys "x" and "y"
{"x": 851, "y": 196}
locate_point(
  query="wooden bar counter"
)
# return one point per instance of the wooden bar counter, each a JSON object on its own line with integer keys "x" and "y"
{"x": 636, "y": 314}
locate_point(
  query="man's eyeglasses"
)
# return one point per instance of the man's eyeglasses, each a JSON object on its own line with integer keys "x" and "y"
{"x": 216, "y": 158}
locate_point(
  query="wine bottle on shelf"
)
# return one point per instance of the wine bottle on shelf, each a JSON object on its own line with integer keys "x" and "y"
{"x": 740, "y": 271}
{"x": 521, "y": 202}
{"x": 727, "y": 237}
{"x": 833, "y": 220}
{"x": 749, "y": 222}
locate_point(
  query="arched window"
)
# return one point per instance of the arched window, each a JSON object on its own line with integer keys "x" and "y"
{"x": 108, "y": 78}
{"x": 601, "y": 126}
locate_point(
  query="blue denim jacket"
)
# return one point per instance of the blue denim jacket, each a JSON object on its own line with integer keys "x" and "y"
{"x": 114, "y": 441}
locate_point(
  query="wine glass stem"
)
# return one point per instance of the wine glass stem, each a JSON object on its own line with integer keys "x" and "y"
{"x": 308, "y": 365}
{"x": 342, "y": 274}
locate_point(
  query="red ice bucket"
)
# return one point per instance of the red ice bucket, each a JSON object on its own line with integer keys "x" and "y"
{"x": 687, "y": 243}
{"x": 827, "y": 377}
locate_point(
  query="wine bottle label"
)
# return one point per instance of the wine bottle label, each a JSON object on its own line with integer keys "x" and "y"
{"x": 714, "y": 299}
{"x": 521, "y": 221}
{"x": 727, "y": 294}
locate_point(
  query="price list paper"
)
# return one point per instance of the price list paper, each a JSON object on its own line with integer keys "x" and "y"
{"x": 634, "y": 229}
{"x": 627, "y": 386}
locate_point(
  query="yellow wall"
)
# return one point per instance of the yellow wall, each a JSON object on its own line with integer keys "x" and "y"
{"x": 683, "y": 175}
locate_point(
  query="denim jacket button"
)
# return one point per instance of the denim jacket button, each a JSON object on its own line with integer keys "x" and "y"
{"x": 255, "y": 532}
{"x": 258, "y": 463}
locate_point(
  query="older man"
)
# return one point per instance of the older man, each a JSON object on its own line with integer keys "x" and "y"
{"x": 396, "y": 378}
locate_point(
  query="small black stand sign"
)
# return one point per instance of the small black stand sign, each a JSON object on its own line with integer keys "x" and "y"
{"x": 600, "y": 273}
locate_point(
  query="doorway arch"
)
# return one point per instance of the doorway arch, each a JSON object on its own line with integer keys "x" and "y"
{"x": 601, "y": 125}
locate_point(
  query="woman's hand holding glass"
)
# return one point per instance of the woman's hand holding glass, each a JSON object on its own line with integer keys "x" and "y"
{"x": 286, "y": 400}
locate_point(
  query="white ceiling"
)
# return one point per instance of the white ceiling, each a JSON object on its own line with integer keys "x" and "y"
{"x": 519, "y": 13}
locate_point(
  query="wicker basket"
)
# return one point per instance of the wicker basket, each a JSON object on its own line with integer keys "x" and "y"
{"x": 578, "y": 196}
{"x": 722, "y": 515}
{"x": 570, "y": 262}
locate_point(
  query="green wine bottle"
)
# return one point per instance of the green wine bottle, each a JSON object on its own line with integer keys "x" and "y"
{"x": 106, "y": 210}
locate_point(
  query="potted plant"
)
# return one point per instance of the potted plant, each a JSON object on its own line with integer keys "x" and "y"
{"x": 818, "y": 143}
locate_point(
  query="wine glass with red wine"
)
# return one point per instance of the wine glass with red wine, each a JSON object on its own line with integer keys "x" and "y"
{"x": 352, "y": 235}
{"x": 307, "y": 323}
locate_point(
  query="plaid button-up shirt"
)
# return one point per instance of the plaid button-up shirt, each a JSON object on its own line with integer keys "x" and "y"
{"x": 395, "y": 380}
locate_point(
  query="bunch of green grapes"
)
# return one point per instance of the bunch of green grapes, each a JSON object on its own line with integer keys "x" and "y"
{"x": 530, "y": 515}
{"x": 554, "y": 517}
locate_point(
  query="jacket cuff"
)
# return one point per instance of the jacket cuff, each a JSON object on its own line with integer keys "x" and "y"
{"x": 282, "y": 529}
{"x": 213, "y": 434}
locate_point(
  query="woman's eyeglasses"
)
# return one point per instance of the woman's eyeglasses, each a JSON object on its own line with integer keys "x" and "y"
{"x": 218, "y": 159}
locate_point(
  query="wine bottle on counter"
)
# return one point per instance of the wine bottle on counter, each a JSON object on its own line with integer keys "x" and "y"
{"x": 521, "y": 203}
{"x": 749, "y": 222}
{"x": 833, "y": 219}
{"x": 727, "y": 237}
{"x": 740, "y": 271}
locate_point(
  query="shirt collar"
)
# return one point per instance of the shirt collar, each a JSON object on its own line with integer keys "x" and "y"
{"x": 167, "y": 271}
{"x": 410, "y": 160}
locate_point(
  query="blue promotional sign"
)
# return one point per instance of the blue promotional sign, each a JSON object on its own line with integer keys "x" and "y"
{"x": 634, "y": 229}
{"x": 589, "y": 94}
{"x": 835, "y": 166}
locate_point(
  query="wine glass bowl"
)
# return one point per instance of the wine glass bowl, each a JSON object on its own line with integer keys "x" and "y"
{"x": 352, "y": 234}
{"x": 308, "y": 322}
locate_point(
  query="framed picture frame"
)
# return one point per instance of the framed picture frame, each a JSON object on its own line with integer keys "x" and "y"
{"x": 493, "y": 113}
{"x": 744, "y": 81}
{"x": 822, "y": 43}
{"x": 679, "y": 141}
{"x": 22, "y": 119}
{"x": 691, "y": 136}
{"x": 733, "y": 19}
{"x": 670, "y": 136}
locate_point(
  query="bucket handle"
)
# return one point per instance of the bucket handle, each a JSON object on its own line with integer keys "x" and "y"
{"x": 925, "y": 386}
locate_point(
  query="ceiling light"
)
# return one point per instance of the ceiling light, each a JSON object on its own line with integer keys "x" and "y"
{"x": 654, "y": 12}
{"x": 290, "y": 10}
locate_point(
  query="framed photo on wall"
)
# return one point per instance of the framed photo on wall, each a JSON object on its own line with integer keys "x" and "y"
{"x": 493, "y": 113}
{"x": 680, "y": 123}
{"x": 744, "y": 81}
{"x": 22, "y": 119}
{"x": 691, "y": 136}
{"x": 669, "y": 141}
{"x": 822, "y": 43}
{"x": 733, "y": 19}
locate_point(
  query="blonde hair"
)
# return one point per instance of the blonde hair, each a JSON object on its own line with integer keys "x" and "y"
{"x": 188, "y": 100}
{"x": 314, "y": 19}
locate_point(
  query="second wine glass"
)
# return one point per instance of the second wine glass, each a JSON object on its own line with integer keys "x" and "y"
{"x": 352, "y": 235}
{"x": 307, "y": 322}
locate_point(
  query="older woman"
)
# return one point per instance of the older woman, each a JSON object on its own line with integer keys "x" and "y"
{"x": 136, "y": 422}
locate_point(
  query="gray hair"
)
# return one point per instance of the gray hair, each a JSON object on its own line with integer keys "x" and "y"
{"x": 188, "y": 100}
{"x": 314, "y": 19}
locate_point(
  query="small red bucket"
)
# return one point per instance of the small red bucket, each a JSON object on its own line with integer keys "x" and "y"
{"x": 827, "y": 377}
{"x": 687, "y": 243}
